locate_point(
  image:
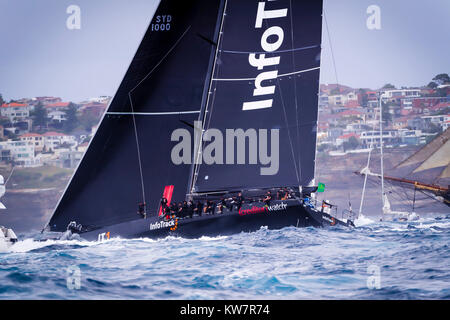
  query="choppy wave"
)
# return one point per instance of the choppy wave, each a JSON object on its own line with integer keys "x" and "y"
{"x": 412, "y": 260}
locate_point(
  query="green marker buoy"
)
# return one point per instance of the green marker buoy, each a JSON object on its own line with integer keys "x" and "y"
{"x": 321, "y": 187}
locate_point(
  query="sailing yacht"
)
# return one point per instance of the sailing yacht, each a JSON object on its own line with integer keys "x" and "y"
{"x": 227, "y": 64}
{"x": 387, "y": 213}
{"x": 7, "y": 235}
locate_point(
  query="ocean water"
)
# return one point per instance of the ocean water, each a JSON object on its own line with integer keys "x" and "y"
{"x": 376, "y": 260}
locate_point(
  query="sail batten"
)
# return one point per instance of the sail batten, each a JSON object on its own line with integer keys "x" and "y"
{"x": 278, "y": 76}
{"x": 278, "y": 51}
{"x": 153, "y": 113}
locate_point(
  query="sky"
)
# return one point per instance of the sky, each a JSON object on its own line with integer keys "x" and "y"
{"x": 40, "y": 56}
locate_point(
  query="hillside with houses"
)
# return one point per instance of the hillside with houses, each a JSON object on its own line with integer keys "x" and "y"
{"x": 42, "y": 139}
{"x": 46, "y": 131}
{"x": 349, "y": 117}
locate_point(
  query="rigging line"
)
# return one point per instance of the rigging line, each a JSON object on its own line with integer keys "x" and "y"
{"x": 133, "y": 113}
{"x": 332, "y": 52}
{"x": 138, "y": 149}
{"x": 10, "y": 175}
{"x": 208, "y": 113}
{"x": 429, "y": 196}
{"x": 287, "y": 124}
{"x": 264, "y": 52}
{"x": 278, "y": 76}
{"x": 200, "y": 144}
{"x": 90, "y": 143}
{"x": 295, "y": 92}
{"x": 162, "y": 59}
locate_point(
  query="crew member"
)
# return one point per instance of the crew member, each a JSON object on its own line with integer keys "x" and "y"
{"x": 163, "y": 204}
{"x": 239, "y": 201}
{"x": 268, "y": 198}
{"x": 198, "y": 209}
{"x": 180, "y": 210}
{"x": 209, "y": 207}
{"x": 286, "y": 194}
{"x": 280, "y": 194}
{"x": 222, "y": 204}
{"x": 190, "y": 208}
{"x": 141, "y": 210}
{"x": 326, "y": 206}
{"x": 167, "y": 211}
{"x": 184, "y": 209}
{"x": 173, "y": 208}
{"x": 229, "y": 204}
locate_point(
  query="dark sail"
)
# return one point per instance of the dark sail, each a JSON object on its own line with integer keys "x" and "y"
{"x": 290, "y": 105}
{"x": 129, "y": 158}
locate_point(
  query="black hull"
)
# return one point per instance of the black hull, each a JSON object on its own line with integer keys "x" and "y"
{"x": 250, "y": 218}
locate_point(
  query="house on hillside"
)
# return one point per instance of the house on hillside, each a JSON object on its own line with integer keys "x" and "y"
{"x": 21, "y": 152}
{"x": 53, "y": 140}
{"x": 59, "y": 106}
{"x": 93, "y": 110}
{"x": 15, "y": 112}
{"x": 345, "y": 138}
{"x": 46, "y": 100}
{"x": 355, "y": 115}
{"x": 396, "y": 95}
{"x": 35, "y": 139}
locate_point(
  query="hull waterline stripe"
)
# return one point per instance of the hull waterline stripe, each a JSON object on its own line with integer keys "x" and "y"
{"x": 279, "y": 76}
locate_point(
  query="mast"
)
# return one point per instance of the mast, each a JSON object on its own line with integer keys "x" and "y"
{"x": 366, "y": 173}
{"x": 383, "y": 200}
{"x": 206, "y": 97}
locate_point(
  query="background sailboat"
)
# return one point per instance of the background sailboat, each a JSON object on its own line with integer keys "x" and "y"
{"x": 427, "y": 172}
{"x": 387, "y": 212}
{"x": 199, "y": 67}
{"x": 7, "y": 235}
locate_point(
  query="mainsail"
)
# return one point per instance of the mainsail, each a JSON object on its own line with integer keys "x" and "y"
{"x": 266, "y": 76}
{"x": 129, "y": 158}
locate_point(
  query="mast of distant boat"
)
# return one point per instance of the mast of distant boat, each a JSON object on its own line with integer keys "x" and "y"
{"x": 383, "y": 195}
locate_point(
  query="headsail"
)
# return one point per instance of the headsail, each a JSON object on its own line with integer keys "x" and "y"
{"x": 266, "y": 76}
{"x": 129, "y": 158}
{"x": 427, "y": 170}
{"x": 431, "y": 164}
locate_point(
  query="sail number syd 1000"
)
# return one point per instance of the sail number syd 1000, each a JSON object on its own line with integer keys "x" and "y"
{"x": 162, "y": 23}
